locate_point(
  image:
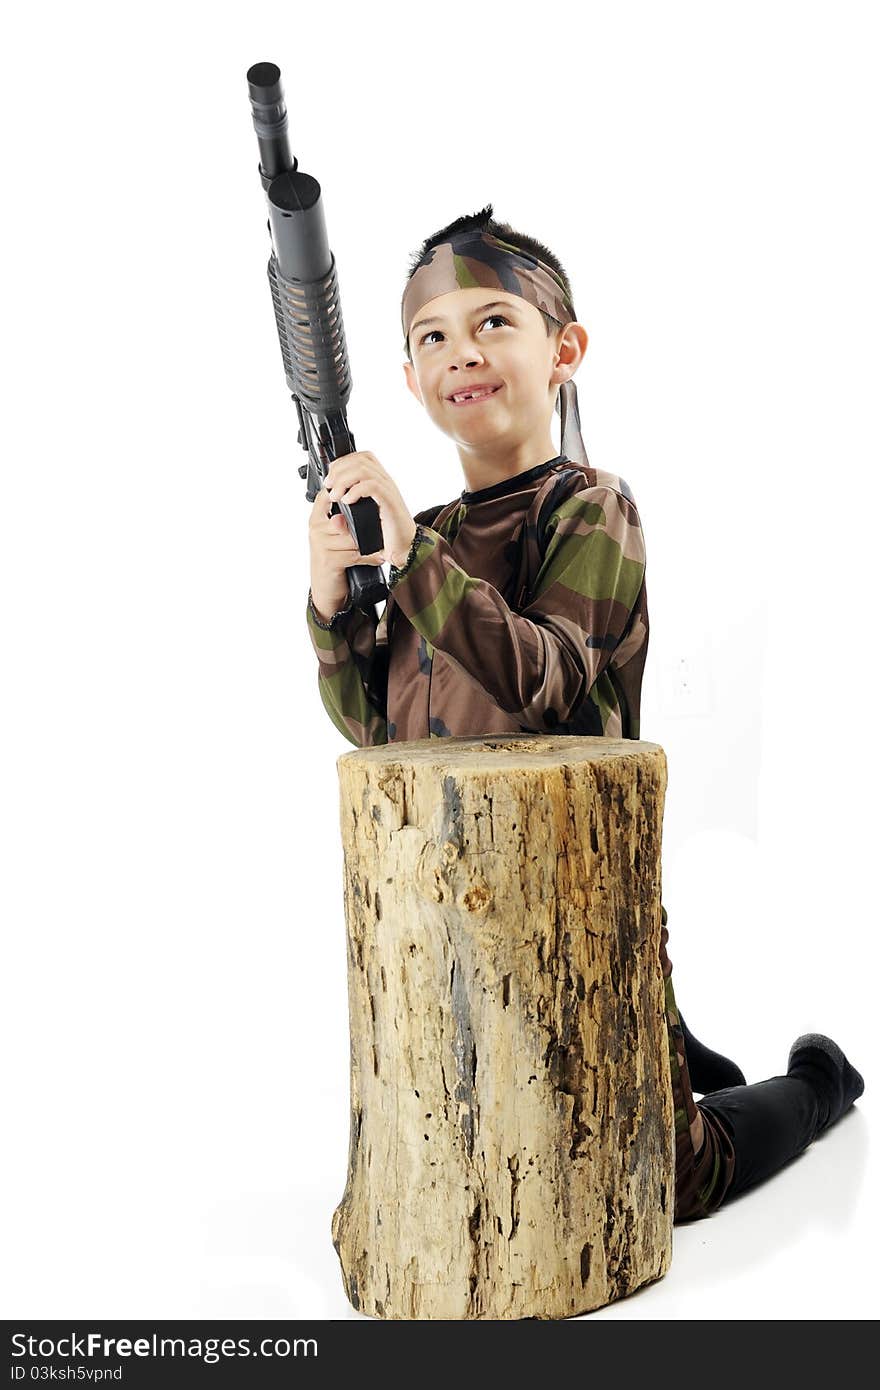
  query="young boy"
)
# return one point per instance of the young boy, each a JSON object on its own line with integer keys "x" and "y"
{"x": 521, "y": 606}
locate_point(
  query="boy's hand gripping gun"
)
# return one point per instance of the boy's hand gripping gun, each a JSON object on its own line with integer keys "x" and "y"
{"x": 305, "y": 295}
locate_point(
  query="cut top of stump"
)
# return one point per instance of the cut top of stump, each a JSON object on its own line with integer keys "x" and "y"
{"x": 498, "y": 752}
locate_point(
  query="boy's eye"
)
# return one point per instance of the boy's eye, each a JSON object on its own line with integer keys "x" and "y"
{"x": 499, "y": 317}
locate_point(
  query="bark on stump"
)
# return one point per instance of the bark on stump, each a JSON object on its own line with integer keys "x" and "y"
{"x": 512, "y": 1133}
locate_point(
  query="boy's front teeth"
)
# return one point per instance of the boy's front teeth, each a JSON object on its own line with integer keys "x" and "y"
{"x": 474, "y": 395}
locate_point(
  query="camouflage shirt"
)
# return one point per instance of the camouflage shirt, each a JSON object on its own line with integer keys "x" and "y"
{"x": 482, "y": 634}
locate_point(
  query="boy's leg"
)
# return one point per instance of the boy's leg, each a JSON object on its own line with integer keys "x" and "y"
{"x": 769, "y": 1123}
{"x": 704, "y": 1157}
{"x": 704, "y": 1152}
{"x": 738, "y": 1136}
{"x": 773, "y": 1121}
{"x": 709, "y": 1070}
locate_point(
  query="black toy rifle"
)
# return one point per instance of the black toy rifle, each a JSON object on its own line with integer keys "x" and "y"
{"x": 308, "y": 315}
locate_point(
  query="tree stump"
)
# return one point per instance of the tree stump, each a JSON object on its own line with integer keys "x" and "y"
{"x": 512, "y": 1132}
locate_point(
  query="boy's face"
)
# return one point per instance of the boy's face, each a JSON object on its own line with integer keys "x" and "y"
{"x": 467, "y": 343}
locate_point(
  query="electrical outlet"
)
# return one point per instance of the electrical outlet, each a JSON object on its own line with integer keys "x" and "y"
{"x": 686, "y": 685}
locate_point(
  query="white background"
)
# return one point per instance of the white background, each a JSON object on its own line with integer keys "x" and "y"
{"x": 174, "y": 1001}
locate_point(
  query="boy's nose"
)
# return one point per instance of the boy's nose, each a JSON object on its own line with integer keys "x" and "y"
{"x": 468, "y": 357}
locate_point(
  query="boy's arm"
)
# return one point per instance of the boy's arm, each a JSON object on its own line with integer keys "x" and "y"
{"x": 352, "y": 652}
{"x": 353, "y": 656}
{"x": 541, "y": 663}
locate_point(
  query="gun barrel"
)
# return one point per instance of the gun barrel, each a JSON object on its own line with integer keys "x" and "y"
{"x": 269, "y": 111}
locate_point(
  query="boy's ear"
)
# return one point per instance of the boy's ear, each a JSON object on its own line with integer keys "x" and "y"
{"x": 409, "y": 373}
{"x": 571, "y": 346}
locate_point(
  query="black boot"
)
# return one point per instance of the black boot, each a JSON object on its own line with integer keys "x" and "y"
{"x": 773, "y": 1121}
{"x": 709, "y": 1071}
{"x": 820, "y": 1061}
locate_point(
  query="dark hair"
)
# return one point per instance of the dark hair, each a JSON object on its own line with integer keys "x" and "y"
{"x": 484, "y": 221}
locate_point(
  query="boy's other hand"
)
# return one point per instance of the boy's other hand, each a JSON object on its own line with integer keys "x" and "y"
{"x": 361, "y": 475}
{"x": 332, "y": 551}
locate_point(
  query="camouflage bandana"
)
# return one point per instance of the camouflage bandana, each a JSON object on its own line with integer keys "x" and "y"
{"x": 478, "y": 258}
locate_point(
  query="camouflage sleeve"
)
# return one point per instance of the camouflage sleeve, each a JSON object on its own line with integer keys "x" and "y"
{"x": 352, "y": 653}
{"x": 541, "y": 663}
{"x": 353, "y": 656}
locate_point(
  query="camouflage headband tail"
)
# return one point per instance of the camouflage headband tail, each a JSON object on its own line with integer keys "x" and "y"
{"x": 478, "y": 258}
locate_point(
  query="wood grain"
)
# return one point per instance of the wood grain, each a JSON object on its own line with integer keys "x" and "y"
{"x": 511, "y": 1151}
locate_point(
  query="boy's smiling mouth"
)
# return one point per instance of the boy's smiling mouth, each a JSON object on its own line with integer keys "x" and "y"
{"x": 470, "y": 395}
